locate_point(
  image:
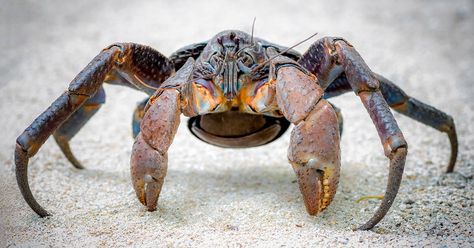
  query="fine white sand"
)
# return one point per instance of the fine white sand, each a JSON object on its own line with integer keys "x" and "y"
{"x": 246, "y": 197}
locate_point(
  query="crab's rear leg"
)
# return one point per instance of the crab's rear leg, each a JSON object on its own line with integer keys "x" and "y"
{"x": 142, "y": 65}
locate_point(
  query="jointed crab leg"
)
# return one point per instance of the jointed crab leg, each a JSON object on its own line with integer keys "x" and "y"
{"x": 426, "y": 114}
{"x": 314, "y": 146}
{"x": 138, "y": 117}
{"x": 398, "y": 100}
{"x": 149, "y": 161}
{"x": 75, "y": 122}
{"x": 366, "y": 86}
{"x": 328, "y": 58}
{"x": 141, "y": 66}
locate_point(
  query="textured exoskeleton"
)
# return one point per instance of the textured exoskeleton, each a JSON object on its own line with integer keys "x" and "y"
{"x": 239, "y": 91}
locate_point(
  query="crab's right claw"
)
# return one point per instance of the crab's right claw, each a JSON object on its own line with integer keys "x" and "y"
{"x": 148, "y": 169}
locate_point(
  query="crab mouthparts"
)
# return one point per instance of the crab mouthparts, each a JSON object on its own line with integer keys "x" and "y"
{"x": 230, "y": 84}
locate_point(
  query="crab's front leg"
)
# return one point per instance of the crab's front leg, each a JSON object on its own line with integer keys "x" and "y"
{"x": 149, "y": 159}
{"x": 328, "y": 58}
{"x": 314, "y": 149}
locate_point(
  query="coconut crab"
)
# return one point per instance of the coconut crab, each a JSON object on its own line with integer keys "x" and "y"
{"x": 239, "y": 91}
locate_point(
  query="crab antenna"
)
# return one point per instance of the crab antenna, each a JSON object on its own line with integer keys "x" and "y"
{"x": 253, "y": 26}
{"x": 282, "y": 52}
{"x": 251, "y": 38}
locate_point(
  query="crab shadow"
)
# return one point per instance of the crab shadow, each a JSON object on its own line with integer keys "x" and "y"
{"x": 197, "y": 195}
{"x": 270, "y": 190}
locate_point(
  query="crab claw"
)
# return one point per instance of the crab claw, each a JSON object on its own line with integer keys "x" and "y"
{"x": 318, "y": 183}
{"x": 148, "y": 169}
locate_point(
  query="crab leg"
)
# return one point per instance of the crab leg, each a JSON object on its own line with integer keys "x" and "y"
{"x": 366, "y": 86}
{"x": 314, "y": 146}
{"x": 73, "y": 124}
{"x": 149, "y": 159}
{"x": 138, "y": 117}
{"x": 328, "y": 58}
{"x": 142, "y": 65}
{"x": 426, "y": 114}
{"x": 398, "y": 100}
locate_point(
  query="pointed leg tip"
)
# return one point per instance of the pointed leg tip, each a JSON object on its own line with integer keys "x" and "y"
{"x": 63, "y": 144}
{"x": 453, "y": 139}
{"x": 151, "y": 209}
{"x": 362, "y": 228}
{"x": 44, "y": 215}
{"x": 77, "y": 165}
{"x": 452, "y": 162}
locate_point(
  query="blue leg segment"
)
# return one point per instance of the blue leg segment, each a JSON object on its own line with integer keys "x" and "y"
{"x": 138, "y": 116}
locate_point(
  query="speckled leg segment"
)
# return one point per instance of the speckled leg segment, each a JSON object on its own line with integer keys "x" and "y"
{"x": 139, "y": 67}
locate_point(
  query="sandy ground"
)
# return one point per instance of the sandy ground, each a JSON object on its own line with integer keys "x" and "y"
{"x": 247, "y": 197}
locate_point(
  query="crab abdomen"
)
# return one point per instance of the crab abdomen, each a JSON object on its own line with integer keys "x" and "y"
{"x": 234, "y": 129}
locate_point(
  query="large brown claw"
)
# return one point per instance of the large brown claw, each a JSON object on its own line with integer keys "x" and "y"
{"x": 148, "y": 169}
{"x": 309, "y": 180}
{"x": 318, "y": 182}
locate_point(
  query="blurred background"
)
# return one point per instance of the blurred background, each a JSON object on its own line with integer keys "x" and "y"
{"x": 241, "y": 197}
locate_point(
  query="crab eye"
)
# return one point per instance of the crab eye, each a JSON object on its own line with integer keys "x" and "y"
{"x": 247, "y": 60}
